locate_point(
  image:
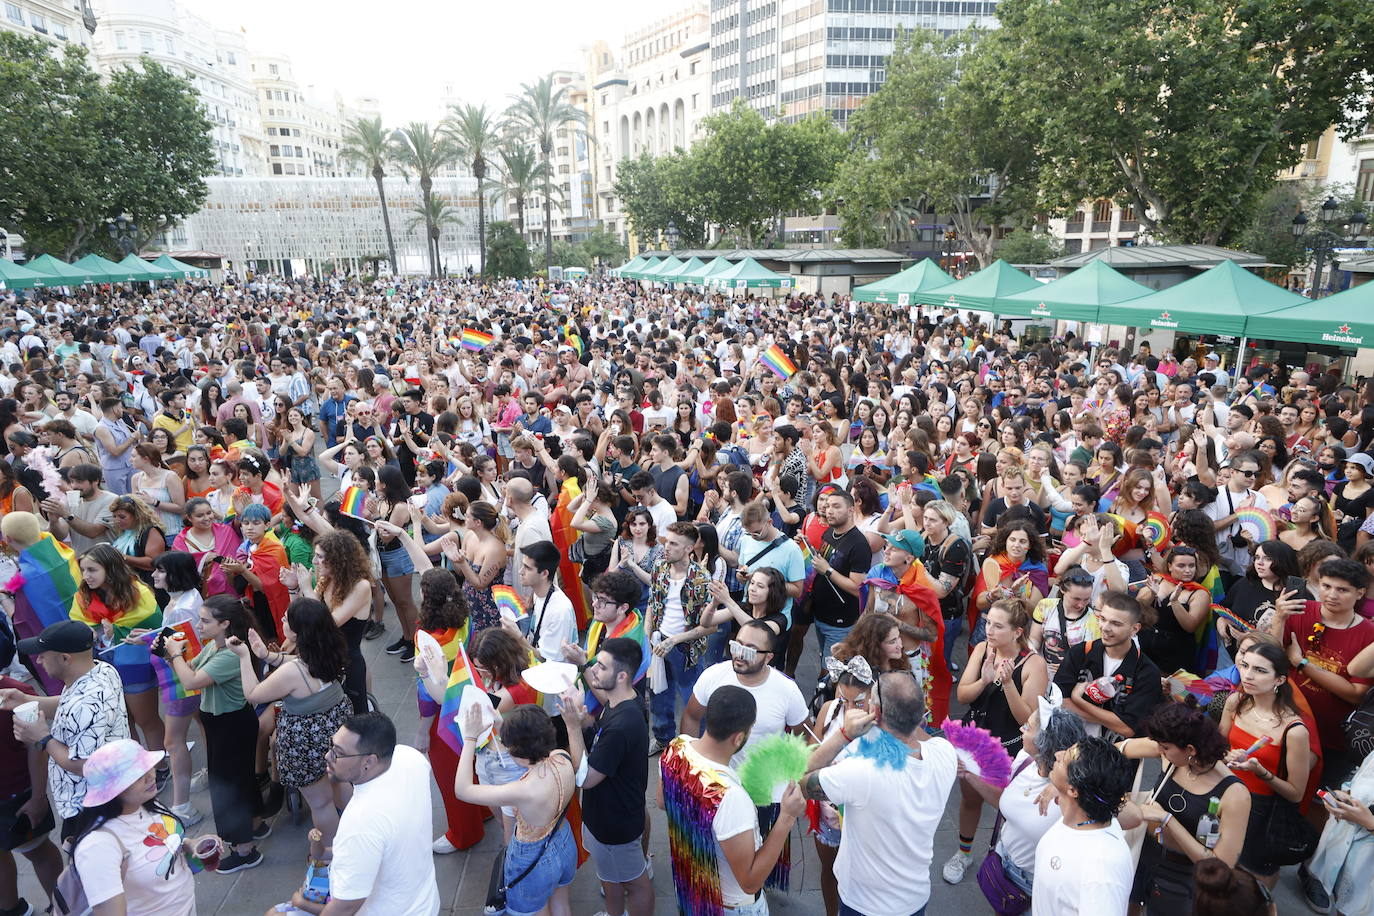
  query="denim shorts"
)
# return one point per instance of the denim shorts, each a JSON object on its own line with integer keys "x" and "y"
{"x": 618, "y": 864}
{"x": 556, "y": 866}
{"x": 758, "y": 908}
{"x": 498, "y": 768}
{"x": 396, "y": 562}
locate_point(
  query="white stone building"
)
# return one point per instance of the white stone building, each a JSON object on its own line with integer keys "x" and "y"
{"x": 58, "y": 21}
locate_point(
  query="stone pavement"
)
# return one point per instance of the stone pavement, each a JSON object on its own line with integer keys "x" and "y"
{"x": 463, "y": 876}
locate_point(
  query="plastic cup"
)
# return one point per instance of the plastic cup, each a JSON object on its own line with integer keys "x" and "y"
{"x": 27, "y": 712}
{"x": 208, "y": 849}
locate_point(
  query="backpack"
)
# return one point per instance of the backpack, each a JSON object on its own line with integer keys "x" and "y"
{"x": 69, "y": 896}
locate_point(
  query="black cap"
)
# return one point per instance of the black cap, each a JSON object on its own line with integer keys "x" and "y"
{"x": 63, "y": 636}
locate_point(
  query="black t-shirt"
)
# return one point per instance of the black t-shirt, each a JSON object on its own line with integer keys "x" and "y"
{"x": 1140, "y": 691}
{"x": 613, "y": 810}
{"x": 955, "y": 559}
{"x": 421, "y": 421}
{"x": 847, "y": 553}
{"x": 1355, "y": 511}
{"x": 998, "y": 507}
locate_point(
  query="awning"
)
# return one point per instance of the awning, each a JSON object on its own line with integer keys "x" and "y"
{"x": 981, "y": 290}
{"x": 687, "y": 272}
{"x": 15, "y": 276}
{"x": 661, "y": 271}
{"x": 1077, "y": 296}
{"x": 60, "y": 273}
{"x": 1219, "y": 300}
{"x": 150, "y": 272}
{"x": 717, "y": 266}
{"x": 167, "y": 262}
{"x": 634, "y": 262}
{"x": 750, "y": 274}
{"x": 1345, "y": 319}
{"x": 899, "y": 288}
{"x": 106, "y": 271}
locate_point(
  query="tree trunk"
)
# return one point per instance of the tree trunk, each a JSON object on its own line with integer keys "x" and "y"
{"x": 377, "y": 175}
{"x": 426, "y": 186}
{"x": 481, "y": 229}
{"x": 548, "y": 229}
{"x": 520, "y": 216}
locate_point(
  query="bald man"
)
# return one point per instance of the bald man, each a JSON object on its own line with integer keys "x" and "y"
{"x": 532, "y": 526}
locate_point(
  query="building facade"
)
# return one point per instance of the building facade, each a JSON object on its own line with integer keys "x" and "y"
{"x": 303, "y": 133}
{"x": 292, "y": 225}
{"x": 213, "y": 60}
{"x": 58, "y": 21}
{"x": 1095, "y": 225}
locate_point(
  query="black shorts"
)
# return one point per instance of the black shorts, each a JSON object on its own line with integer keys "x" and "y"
{"x": 15, "y": 830}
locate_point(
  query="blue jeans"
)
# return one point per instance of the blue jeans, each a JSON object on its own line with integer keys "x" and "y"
{"x": 847, "y": 910}
{"x": 828, "y": 636}
{"x": 557, "y": 866}
{"x": 681, "y": 679}
{"x": 717, "y": 646}
{"x": 952, "y": 630}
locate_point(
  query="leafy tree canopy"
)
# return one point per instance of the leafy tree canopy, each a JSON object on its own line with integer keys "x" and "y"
{"x": 507, "y": 253}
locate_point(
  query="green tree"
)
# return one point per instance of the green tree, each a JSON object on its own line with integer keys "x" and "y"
{"x": 603, "y": 246}
{"x": 1270, "y": 232}
{"x": 476, "y": 133}
{"x": 657, "y": 191}
{"x": 540, "y": 110}
{"x": 431, "y": 217}
{"x": 419, "y": 148}
{"x": 1029, "y": 246}
{"x": 367, "y": 145}
{"x": 522, "y": 173}
{"x": 941, "y": 131}
{"x": 508, "y": 255}
{"x": 1187, "y": 109}
{"x": 568, "y": 254}
{"x": 75, "y": 152}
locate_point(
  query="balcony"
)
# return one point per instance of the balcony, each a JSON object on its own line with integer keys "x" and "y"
{"x": 1073, "y": 228}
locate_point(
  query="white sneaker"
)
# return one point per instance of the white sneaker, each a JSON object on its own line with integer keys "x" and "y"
{"x": 956, "y": 866}
{"x": 188, "y": 814}
{"x": 654, "y": 747}
{"x": 649, "y": 865}
{"x": 442, "y": 846}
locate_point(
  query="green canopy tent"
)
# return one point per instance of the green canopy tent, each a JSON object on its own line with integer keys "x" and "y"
{"x": 1078, "y": 296}
{"x": 1345, "y": 319}
{"x": 980, "y": 291}
{"x": 1221, "y": 300}
{"x": 13, "y": 276}
{"x": 60, "y": 273}
{"x": 900, "y": 287}
{"x": 151, "y": 273}
{"x": 713, "y": 269}
{"x": 688, "y": 270}
{"x": 634, "y": 270}
{"x": 750, "y": 274}
{"x": 167, "y": 262}
{"x": 634, "y": 262}
{"x": 105, "y": 271}
{"x": 660, "y": 272}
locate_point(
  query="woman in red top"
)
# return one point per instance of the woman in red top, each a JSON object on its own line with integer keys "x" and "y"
{"x": 1278, "y": 773}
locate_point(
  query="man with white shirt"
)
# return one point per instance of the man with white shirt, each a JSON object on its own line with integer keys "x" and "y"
{"x": 1234, "y": 542}
{"x": 552, "y": 622}
{"x": 890, "y": 813}
{"x": 382, "y": 863}
{"x": 82, "y": 421}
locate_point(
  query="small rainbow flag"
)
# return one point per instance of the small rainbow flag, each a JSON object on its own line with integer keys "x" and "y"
{"x": 459, "y": 677}
{"x": 777, "y": 361}
{"x": 354, "y": 502}
{"x": 507, "y": 599}
{"x": 475, "y": 340}
{"x": 575, "y": 341}
{"x": 809, "y": 562}
{"x": 168, "y": 684}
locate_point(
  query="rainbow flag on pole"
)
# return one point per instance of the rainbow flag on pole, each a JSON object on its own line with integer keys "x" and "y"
{"x": 168, "y": 684}
{"x": 476, "y": 340}
{"x": 354, "y": 502}
{"x": 459, "y": 677}
{"x": 777, "y": 361}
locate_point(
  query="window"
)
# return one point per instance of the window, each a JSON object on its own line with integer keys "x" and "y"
{"x": 40, "y": 24}
{"x": 171, "y": 45}
{"x": 14, "y": 14}
{"x": 276, "y": 168}
{"x": 271, "y": 131}
{"x": 232, "y": 62}
{"x": 145, "y": 41}
{"x": 59, "y": 29}
{"x": 1102, "y": 211}
{"x": 274, "y": 150}
{"x": 1364, "y": 183}
{"x": 272, "y": 68}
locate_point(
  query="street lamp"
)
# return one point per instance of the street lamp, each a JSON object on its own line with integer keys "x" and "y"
{"x": 672, "y": 235}
{"x": 950, "y": 237}
{"x": 1329, "y": 233}
{"x": 122, "y": 230}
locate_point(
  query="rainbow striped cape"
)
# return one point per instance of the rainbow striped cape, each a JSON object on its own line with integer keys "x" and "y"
{"x": 145, "y": 613}
{"x": 45, "y": 586}
{"x": 692, "y": 794}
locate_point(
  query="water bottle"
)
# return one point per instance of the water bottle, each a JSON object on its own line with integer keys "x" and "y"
{"x": 1209, "y": 825}
{"x": 1103, "y": 689}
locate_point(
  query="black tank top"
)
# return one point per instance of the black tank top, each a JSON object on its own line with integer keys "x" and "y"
{"x": 1186, "y": 807}
{"x": 997, "y": 716}
{"x": 665, "y": 482}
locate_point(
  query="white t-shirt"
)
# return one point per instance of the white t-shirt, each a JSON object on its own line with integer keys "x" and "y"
{"x": 553, "y": 617}
{"x": 1020, "y": 805}
{"x": 381, "y": 851}
{"x": 663, "y": 514}
{"x": 534, "y": 527}
{"x": 734, "y": 816}
{"x": 1064, "y": 887}
{"x": 106, "y": 874}
{"x": 780, "y": 702}
{"x": 890, "y": 818}
{"x": 674, "y": 620}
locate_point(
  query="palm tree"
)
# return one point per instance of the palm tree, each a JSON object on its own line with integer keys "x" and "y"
{"x": 418, "y": 148}
{"x": 540, "y": 110}
{"x": 522, "y": 174}
{"x": 475, "y": 133}
{"x": 366, "y": 145}
{"x": 433, "y": 216}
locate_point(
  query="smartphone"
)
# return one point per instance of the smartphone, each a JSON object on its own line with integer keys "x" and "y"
{"x": 1326, "y": 798}
{"x": 1294, "y": 583}
{"x": 168, "y": 632}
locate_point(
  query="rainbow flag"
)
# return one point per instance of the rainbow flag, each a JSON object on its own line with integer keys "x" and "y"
{"x": 126, "y": 657}
{"x": 354, "y": 502}
{"x": 168, "y": 684}
{"x": 809, "y": 560}
{"x": 44, "y": 588}
{"x": 575, "y": 341}
{"x": 632, "y": 627}
{"x": 475, "y": 340}
{"x": 459, "y": 677}
{"x": 507, "y": 599}
{"x": 777, "y": 361}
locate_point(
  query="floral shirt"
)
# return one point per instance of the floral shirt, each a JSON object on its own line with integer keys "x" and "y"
{"x": 91, "y": 713}
{"x": 696, "y": 598}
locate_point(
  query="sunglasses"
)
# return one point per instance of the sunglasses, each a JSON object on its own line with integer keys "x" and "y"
{"x": 1249, "y": 473}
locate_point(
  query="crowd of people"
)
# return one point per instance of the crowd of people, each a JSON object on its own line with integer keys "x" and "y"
{"x": 617, "y": 515}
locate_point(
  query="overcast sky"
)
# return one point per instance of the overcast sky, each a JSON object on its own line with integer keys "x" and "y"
{"x": 403, "y": 51}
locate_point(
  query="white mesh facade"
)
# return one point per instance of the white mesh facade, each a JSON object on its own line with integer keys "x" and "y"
{"x": 316, "y": 220}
